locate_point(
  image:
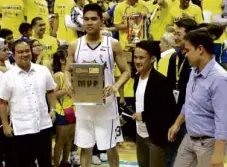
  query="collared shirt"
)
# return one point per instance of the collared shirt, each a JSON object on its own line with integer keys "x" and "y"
{"x": 205, "y": 107}
{"x": 25, "y": 92}
{"x": 165, "y": 53}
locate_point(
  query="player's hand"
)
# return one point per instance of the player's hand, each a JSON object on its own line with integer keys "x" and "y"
{"x": 8, "y": 131}
{"x": 217, "y": 160}
{"x": 109, "y": 90}
{"x": 137, "y": 116}
{"x": 172, "y": 132}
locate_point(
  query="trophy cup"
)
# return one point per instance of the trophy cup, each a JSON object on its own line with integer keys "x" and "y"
{"x": 136, "y": 28}
{"x": 135, "y": 23}
{"x": 224, "y": 14}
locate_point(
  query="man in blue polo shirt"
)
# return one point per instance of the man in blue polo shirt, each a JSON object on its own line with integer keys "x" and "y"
{"x": 205, "y": 106}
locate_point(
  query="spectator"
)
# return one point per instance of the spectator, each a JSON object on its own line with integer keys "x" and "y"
{"x": 12, "y": 13}
{"x": 49, "y": 43}
{"x": 8, "y": 36}
{"x": 65, "y": 116}
{"x": 178, "y": 75}
{"x": 38, "y": 9}
{"x": 37, "y": 51}
{"x": 167, "y": 48}
{"x": 26, "y": 31}
{"x": 186, "y": 10}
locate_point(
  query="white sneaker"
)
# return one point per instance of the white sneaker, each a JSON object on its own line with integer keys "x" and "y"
{"x": 96, "y": 160}
{"x": 103, "y": 157}
{"x": 75, "y": 158}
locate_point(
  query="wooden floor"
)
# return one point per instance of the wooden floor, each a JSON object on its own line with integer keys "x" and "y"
{"x": 127, "y": 152}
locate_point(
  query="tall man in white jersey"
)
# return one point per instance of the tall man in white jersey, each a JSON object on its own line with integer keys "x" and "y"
{"x": 98, "y": 124}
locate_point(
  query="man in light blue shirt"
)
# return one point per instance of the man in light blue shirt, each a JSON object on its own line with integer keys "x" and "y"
{"x": 205, "y": 108}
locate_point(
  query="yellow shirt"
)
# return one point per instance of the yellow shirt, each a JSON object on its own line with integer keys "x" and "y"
{"x": 37, "y": 8}
{"x": 193, "y": 11}
{"x": 12, "y": 15}
{"x": 50, "y": 46}
{"x": 212, "y": 5}
{"x": 150, "y": 5}
{"x": 64, "y": 101}
{"x": 123, "y": 13}
{"x": 63, "y": 8}
{"x": 163, "y": 63}
{"x": 160, "y": 22}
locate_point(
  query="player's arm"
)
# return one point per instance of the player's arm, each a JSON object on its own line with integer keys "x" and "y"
{"x": 121, "y": 63}
{"x": 68, "y": 69}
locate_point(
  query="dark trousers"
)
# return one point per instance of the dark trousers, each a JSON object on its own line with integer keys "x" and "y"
{"x": 30, "y": 147}
{"x": 10, "y": 154}
{"x": 173, "y": 147}
{"x": 149, "y": 154}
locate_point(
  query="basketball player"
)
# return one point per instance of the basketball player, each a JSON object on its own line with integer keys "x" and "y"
{"x": 98, "y": 124}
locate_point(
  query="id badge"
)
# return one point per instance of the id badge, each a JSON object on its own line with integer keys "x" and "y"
{"x": 176, "y": 95}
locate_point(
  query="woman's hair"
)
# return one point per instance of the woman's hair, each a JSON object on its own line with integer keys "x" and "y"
{"x": 31, "y": 42}
{"x": 58, "y": 57}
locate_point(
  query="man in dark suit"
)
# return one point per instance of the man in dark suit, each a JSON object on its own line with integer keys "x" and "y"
{"x": 178, "y": 75}
{"x": 155, "y": 107}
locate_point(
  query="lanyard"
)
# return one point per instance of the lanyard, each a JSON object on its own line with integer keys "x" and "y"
{"x": 178, "y": 70}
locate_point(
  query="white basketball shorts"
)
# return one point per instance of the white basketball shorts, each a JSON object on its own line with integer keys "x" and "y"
{"x": 105, "y": 133}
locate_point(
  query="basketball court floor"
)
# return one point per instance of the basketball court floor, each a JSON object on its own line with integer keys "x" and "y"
{"x": 127, "y": 152}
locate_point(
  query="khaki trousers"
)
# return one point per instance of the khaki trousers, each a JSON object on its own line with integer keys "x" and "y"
{"x": 194, "y": 153}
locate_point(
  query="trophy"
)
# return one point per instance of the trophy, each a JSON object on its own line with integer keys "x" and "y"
{"x": 138, "y": 27}
{"x": 224, "y": 14}
{"x": 135, "y": 23}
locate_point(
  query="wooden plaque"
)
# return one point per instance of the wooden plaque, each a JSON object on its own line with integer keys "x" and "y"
{"x": 88, "y": 83}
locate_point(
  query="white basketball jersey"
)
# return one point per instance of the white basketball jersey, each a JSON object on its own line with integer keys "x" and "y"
{"x": 102, "y": 53}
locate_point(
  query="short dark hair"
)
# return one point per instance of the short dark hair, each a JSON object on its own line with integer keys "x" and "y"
{"x": 200, "y": 37}
{"x": 5, "y": 32}
{"x": 151, "y": 47}
{"x": 215, "y": 30}
{"x": 24, "y": 27}
{"x": 34, "y": 21}
{"x": 187, "y": 23}
{"x": 93, "y": 7}
{"x": 17, "y": 42}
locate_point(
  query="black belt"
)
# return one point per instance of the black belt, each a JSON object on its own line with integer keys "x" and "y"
{"x": 200, "y": 137}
